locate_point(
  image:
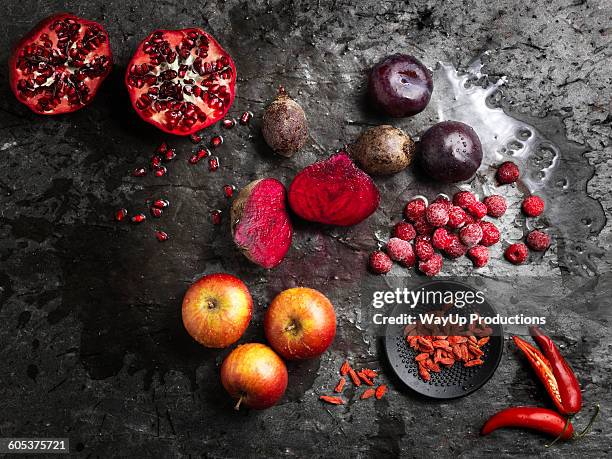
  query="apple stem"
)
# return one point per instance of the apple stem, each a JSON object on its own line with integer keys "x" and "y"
{"x": 237, "y": 406}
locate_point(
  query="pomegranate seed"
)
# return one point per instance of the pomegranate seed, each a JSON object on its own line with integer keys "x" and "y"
{"x": 161, "y": 236}
{"x": 195, "y": 138}
{"x": 196, "y": 157}
{"x": 169, "y": 154}
{"x": 216, "y": 141}
{"x": 213, "y": 163}
{"x": 245, "y": 118}
{"x": 215, "y": 217}
{"x": 160, "y": 171}
{"x": 121, "y": 214}
{"x": 156, "y": 212}
{"x": 161, "y": 203}
{"x": 229, "y": 123}
{"x": 139, "y": 218}
{"x": 139, "y": 172}
{"x": 228, "y": 190}
{"x": 155, "y": 161}
{"x": 162, "y": 148}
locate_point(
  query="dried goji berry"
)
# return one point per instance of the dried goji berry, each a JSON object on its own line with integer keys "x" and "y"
{"x": 354, "y": 377}
{"x": 332, "y": 400}
{"x": 381, "y": 391}
{"x": 365, "y": 379}
{"x": 473, "y": 363}
{"x": 340, "y": 386}
{"x": 344, "y": 369}
{"x": 421, "y": 356}
{"x": 367, "y": 394}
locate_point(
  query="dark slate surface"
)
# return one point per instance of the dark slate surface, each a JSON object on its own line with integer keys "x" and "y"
{"x": 91, "y": 342}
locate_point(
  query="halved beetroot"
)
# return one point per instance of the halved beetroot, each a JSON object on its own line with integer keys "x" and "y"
{"x": 60, "y": 64}
{"x": 334, "y": 192}
{"x": 181, "y": 81}
{"x": 260, "y": 223}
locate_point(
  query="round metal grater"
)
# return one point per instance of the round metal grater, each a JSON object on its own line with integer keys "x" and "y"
{"x": 453, "y": 382}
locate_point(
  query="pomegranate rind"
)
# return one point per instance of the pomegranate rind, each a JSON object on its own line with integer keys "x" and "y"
{"x": 260, "y": 223}
{"x": 33, "y": 36}
{"x": 215, "y": 52}
{"x": 334, "y": 192}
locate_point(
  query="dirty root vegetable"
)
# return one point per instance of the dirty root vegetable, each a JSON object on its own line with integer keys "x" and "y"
{"x": 300, "y": 323}
{"x": 60, "y": 64}
{"x": 383, "y": 150}
{"x": 254, "y": 376}
{"x": 260, "y": 223}
{"x": 284, "y": 125}
{"x": 542, "y": 420}
{"x": 217, "y": 310}
{"x": 333, "y": 192}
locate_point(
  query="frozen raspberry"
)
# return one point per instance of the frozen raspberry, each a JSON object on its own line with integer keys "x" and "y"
{"x": 440, "y": 238}
{"x": 456, "y": 217}
{"x": 516, "y": 253}
{"x": 423, "y": 227}
{"x": 464, "y": 199}
{"x": 455, "y": 247}
{"x": 507, "y": 172}
{"x": 415, "y": 209}
{"x": 380, "y": 263}
{"x": 398, "y": 249}
{"x": 479, "y": 255}
{"x": 490, "y": 234}
{"x": 443, "y": 200}
{"x": 471, "y": 234}
{"x": 423, "y": 248}
{"x": 533, "y": 206}
{"x": 538, "y": 241}
{"x": 432, "y": 266}
{"x": 496, "y": 205}
{"x": 470, "y": 219}
{"x": 404, "y": 230}
{"x": 437, "y": 215}
{"x": 477, "y": 210}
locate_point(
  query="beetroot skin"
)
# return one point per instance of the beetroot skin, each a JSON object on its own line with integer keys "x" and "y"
{"x": 333, "y": 192}
{"x": 260, "y": 223}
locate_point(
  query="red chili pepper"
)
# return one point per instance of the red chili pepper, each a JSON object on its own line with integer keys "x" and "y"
{"x": 542, "y": 367}
{"x": 569, "y": 388}
{"x": 541, "y": 419}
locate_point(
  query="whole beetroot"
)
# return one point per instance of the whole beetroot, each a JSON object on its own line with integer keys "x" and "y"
{"x": 284, "y": 125}
{"x": 383, "y": 150}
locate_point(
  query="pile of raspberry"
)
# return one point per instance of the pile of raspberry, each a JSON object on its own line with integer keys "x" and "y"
{"x": 455, "y": 229}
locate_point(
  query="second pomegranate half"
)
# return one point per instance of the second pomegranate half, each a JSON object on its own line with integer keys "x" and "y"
{"x": 181, "y": 81}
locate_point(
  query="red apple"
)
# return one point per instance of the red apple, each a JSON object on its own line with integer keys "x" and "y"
{"x": 254, "y": 375}
{"x": 217, "y": 310}
{"x": 300, "y": 323}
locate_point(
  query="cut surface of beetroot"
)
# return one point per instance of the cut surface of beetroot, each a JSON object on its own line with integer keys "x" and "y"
{"x": 59, "y": 65}
{"x": 181, "y": 81}
{"x": 260, "y": 223}
{"x": 334, "y": 192}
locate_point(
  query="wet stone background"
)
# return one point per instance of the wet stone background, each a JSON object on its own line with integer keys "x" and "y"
{"x": 91, "y": 342}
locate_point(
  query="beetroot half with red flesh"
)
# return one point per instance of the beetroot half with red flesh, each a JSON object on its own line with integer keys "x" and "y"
{"x": 60, "y": 64}
{"x": 260, "y": 223}
{"x": 181, "y": 81}
{"x": 334, "y": 192}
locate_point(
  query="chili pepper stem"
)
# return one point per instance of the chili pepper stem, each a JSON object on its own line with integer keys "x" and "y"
{"x": 590, "y": 424}
{"x": 237, "y": 406}
{"x": 567, "y": 423}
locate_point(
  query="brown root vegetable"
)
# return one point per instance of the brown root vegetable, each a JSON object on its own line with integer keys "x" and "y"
{"x": 284, "y": 126}
{"x": 383, "y": 150}
{"x": 260, "y": 223}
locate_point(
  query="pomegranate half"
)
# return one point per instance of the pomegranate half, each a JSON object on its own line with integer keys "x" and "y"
{"x": 60, "y": 64}
{"x": 181, "y": 81}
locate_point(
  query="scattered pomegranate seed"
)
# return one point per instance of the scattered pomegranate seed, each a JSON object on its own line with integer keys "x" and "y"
{"x": 161, "y": 236}
{"x": 160, "y": 171}
{"x": 216, "y": 141}
{"x": 139, "y": 218}
{"x": 228, "y": 190}
{"x": 215, "y": 217}
{"x": 245, "y": 118}
{"x": 156, "y": 212}
{"x": 196, "y": 157}
{"x": 156, "y": 161}
{"x": 229, "y": 123}
{"x": 162, "y": 148}
{"x": 161, "y": 203}
{"x": 169, "y": 154}
{"x": 121, "y": 214}
{"x": 139, "y": 172}
{"x": 213, "y": 163}
{"x": 195, "y": 138}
